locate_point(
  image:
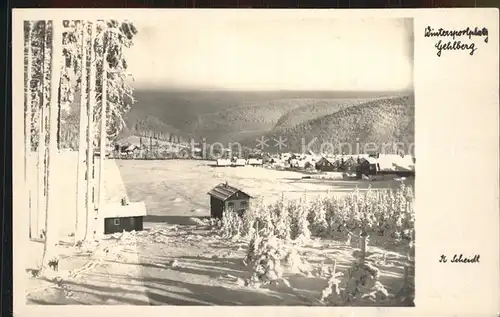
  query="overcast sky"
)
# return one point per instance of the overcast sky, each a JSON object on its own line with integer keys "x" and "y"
{"x": 273, "y": 54}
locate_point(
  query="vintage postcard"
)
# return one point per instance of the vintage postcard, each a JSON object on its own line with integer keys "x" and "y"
{"x": 256, "y": 158}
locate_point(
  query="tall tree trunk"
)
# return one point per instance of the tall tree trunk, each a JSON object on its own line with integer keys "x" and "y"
{"x": 103, "y": 131}
{"x": 27, "y": 123}
{"x": 52, "y": 216}
{"x": 80, "y": 189}
{"x": 90, "y": 135}
{"x": 42, "y": 145}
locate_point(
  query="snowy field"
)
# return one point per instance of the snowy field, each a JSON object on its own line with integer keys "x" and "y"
{"x": 179, "y": 187}
{"x": 178, "y": 260}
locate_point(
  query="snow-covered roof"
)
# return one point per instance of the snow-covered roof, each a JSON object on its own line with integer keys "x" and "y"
{"x": 115, "y": 210}
{"x": 223, "y": 162}
{"x": 254, "y": 161}
{"x": 240, "y": 162}
{"x": 224, "y": 191}
{"x": 396, "y": 162}
{"x": 370, "y": 160}
{"x": 132, "y": 147}
{"x": 328, "y": 159}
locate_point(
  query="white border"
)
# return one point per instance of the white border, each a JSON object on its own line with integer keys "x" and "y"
{"x": 457, "y": 145}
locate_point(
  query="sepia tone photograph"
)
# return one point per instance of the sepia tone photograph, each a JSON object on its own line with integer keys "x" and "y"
{"x": 228, "y": 162}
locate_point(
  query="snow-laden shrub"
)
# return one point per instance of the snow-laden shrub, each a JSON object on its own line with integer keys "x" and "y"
{"x": 231, "y": 224}
{"x": 303, "y": 231}
{"x": 263, "y": 220}
{"x": 293, "y": 210}
{"x": 336, "y": 214}
{"x": 249, "y": 219}
{"x": 333, "y": 294}
{"x": 363, "y": 286}
{"x": 376, "y": 212}
{"x": 283, "y": 223}
{"x": 266, "y": 221}
{"x": 367, "y": 204}
{"x": 382, "y": 212}
{"x": 264, "y": 260}
{"x": 253, "y": 248}
{"x": 317, "y": 218}
{"x": 294, "y": 263}
{"x": 215, "y": 224}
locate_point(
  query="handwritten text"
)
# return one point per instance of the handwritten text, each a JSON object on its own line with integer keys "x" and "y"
{"x": 454, "y": 44}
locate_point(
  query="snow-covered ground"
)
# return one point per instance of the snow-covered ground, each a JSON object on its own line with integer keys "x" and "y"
{"x": 191, "y": 265}
{"x": 178, "y": 260}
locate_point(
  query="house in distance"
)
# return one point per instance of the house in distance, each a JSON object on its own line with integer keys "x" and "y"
{"x": 226, "y": 197}
{"x": 326, "y": 164}
{"x": 119, "y": 217}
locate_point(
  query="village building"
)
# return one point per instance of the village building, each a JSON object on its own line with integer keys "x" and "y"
{"x": 254, "y": 162}
{"x": 368, "y": 166}
{"x": 239, "y": 162}
{"x": 131, "y": 149}
{"x": 401, "y": 165}
{"x": 348, "y": 164}
{"x": 223, "y": 162}
{"x": 119, "y": 217}
{"x": 226, "y": 197}
{"x": 395, "y": 162}
{"x": 325, "y": 164}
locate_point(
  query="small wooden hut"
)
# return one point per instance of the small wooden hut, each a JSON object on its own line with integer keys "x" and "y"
{"x": 225, "y": 197}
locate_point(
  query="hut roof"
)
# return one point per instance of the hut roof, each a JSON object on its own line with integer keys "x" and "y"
{"x": 369, "y": 160}
{"x": 328, "y": 159}
{"x": 131, "y": 147}
{"x": 223, "y": 192}
{"x": 349, "y": 160}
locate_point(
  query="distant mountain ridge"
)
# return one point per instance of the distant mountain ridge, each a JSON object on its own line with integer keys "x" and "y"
{"x": 386, "y": 124}
{"x": 244, "y": 116}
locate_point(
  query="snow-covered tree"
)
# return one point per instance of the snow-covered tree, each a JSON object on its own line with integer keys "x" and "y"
{"x": 283, "y": 220}
{"x": 248, "y": 221}
{"x": 363, "y": 286}
{"x": 81, "y": 214}
{"x": 317, "y": 218}
{"x": 264, "y": 260}
{"x": 333, "y": 294}
{"x": 42, "y": 35}
{"x": 52, "y": 215}
{"x": 303, "y": 231}
{"x": 28, "y": 112}
{"x": 89, "y": 213}
{"x": 231, "y": 224}
{"x": 112, "y": 39}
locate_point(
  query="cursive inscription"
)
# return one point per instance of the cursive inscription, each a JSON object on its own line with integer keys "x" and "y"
{"x": 456, "y": 44}
{"x": 460, "y": 258}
